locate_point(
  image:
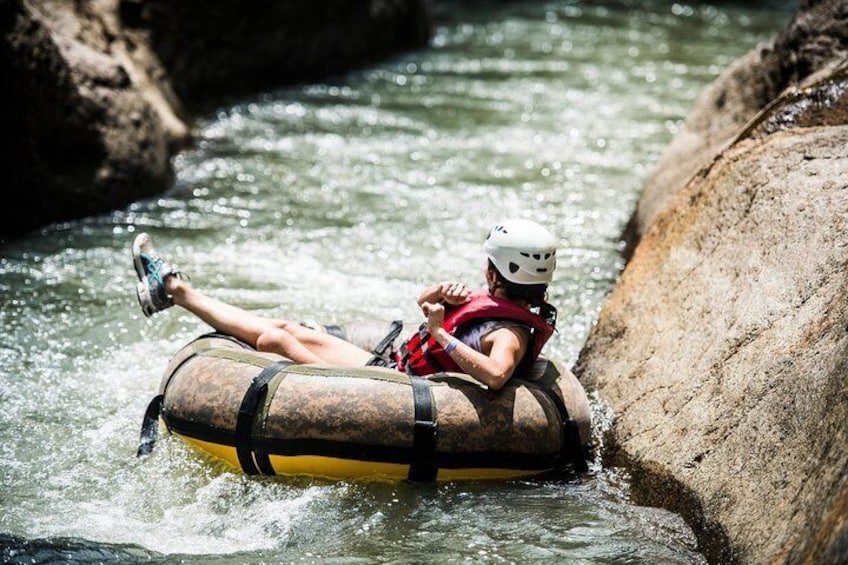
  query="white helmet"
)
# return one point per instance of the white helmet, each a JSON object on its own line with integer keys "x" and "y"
{"x": 523, "y": 251}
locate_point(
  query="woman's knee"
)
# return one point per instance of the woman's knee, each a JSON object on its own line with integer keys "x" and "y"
{"x": 297, "y": 331}
{"x": 274, "y": 340}
{"x": 286, "y": 325}
{"x": 284, "y": 334}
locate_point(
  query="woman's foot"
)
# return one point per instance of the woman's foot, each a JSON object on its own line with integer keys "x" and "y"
{"x": 152, "y": 272}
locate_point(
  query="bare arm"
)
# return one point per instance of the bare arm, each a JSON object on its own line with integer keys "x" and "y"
{"x": 493, "y": 370}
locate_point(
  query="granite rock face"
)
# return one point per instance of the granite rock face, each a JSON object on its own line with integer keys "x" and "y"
{"x": 813, "y": 44}
{"x": 723, "y": 348}
{"x": 99, "y": 94}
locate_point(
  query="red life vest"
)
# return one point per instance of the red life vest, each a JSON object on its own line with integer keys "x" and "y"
{"x": 422, "y": 354}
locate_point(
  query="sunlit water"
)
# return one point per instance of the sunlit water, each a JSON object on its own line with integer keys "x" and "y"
{"x": 338, "y": 201}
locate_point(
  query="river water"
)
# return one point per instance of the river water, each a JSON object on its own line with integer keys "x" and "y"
{"x": 338, "y": 201}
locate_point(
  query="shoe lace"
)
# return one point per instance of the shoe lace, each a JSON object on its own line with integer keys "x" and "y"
{"x": 157, "y": 269}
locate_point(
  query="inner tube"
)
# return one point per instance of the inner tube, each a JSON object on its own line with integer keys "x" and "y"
{"x": 262, "y": 414}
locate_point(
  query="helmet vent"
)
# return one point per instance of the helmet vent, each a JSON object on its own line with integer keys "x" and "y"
{"x": 513, "y": 267}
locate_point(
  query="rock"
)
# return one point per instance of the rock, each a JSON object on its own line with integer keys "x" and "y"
{"x": 99, "y": 94}
{"x": 217, "y": 49}
{"x": 82, "y": 137}
{"x": 814, "y": 43}
{"x": 723, "y": 348}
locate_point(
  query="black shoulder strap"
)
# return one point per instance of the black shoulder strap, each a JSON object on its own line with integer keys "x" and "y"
{"x": 549, "y": 313}
{"x": 244, "y": 424}
{"x": 423, "y": 467}
{"x": 394, "y": 331}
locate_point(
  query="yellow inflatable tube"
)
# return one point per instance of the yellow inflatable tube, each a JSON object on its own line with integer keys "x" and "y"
{"x": 264, "y": 415}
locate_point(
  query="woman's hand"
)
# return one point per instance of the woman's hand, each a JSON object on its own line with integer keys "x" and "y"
{"x": 504, "y": 348}
{"x": 450, "y": 292}
{"x": 453, "y": 292}
{"x": 435, "y": 316}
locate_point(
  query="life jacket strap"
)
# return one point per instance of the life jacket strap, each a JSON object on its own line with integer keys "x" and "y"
{"x": 394, "y": 331}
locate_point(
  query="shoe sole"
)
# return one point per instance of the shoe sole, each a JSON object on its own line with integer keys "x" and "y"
{"x": 143, "y": 296}
{"x": 138, "y": 243}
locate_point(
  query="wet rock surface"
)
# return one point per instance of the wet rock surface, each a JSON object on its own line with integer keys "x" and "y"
{"x": 723, "y": 349}
{"x": 813, "y": 44}
{"x": 83, "y": 135}
{"x": 98, "y": 95}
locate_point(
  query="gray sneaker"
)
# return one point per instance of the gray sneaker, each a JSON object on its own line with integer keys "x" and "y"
{"x": 152, "y": 271}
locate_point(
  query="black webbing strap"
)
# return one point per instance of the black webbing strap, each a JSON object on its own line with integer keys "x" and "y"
{"x": 244, "y": 424}
{"x": 337, "y": 331}
{"x": 149, "y": 431}
{"x": 423, "y": 467}
{"x": 150, "y": 426}
{"x": 572, "y": 447}
{"x": 394, "y": 331}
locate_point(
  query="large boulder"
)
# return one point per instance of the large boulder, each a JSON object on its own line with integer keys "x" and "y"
{"x": 86, "y": 127}
{"x": 99, "y": 94}
{"x": 723, "y": 349}
{"x": 813, "y": 44}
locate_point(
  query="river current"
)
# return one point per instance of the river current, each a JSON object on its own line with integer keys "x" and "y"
{"x": 338, "y": 201}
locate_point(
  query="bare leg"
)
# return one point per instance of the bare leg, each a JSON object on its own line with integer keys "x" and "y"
{"x": 328, "y": 348}
{"x": 291, "y": 340}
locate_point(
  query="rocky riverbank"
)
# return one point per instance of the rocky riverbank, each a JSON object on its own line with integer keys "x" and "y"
{"x": 723, "y": 349}
{"x": 99, "y": 95}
